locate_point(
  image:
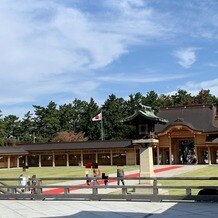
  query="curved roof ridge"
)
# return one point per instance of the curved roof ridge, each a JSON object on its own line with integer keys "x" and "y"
{"x": 181, "y": 124}
{"x": 200, "y": 117}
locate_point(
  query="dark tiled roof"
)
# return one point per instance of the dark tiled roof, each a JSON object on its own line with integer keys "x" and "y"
{"x": 197, "y": 117}
{"x": 12, "y": 150}
{"x": 141, "y": 115}
{"x": 78, "y": 145}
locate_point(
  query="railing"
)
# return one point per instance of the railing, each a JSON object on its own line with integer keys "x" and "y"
{"x": 144, "y": 189}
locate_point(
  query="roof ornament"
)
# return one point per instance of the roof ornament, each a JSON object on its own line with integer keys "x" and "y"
{"x": 179, "y": 120}
{"x": 144, "y": 108}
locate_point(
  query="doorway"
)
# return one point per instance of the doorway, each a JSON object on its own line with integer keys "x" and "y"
{"x": 187, "y": 151}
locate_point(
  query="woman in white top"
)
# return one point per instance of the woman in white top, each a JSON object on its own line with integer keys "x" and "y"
{"x": 22, "y": 181}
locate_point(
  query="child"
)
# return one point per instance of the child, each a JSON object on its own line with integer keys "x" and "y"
{"x": 105, "y": 178}
{"x": 87, "y": 176}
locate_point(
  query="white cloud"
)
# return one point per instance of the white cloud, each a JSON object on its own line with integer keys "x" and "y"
{"x": 48, "y": 47}
{"x": 212, "y": 64}
{"x": 53, "y": 47}
{"x": 197, "y": 19}
{"x": 186, "y": 56}
{"x": 122, "y": 78}
{"x": 195, "y": 87}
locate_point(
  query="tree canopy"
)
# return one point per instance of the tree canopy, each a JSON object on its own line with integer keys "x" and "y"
{"x": 73, "y": 121}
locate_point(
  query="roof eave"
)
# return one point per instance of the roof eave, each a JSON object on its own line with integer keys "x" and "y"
{"x": 153, "y": 118}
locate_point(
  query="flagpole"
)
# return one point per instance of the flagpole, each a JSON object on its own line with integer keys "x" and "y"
{"x": 102, "y": 127}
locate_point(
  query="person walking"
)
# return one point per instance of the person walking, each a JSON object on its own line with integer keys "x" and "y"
{"x": 120, "y": 175}
{"x": 22, "y": 182}
{"x": 96, "y": 173}
{"x": 25, "y": 176}
{"x": 35, "y": 182}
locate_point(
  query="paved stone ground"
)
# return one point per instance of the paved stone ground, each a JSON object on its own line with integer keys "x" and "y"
{"x": 109, "y": 209}
{"x": 106, "y": 209}
{"x": 174, "y": 172}
{"x": 164, "y": 173}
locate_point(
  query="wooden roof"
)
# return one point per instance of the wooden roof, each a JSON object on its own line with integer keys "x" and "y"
{"x": 23, "y": 149}
{"x": 13, "y": 150}
{"x": 198, "y": 117}
{"x": 78, "y": 145}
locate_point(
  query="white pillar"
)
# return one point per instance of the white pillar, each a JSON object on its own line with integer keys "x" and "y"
{"x": 170, "y": 151}
{"x": 18, "y": 162}
{"x": 67, "y": 155}
{"x": 40, "y": 160}
{"x": 9, "y": 162}
{"x": 53, "y": 159}
{"x": 196, "y": 148}
{"x": 96, "y": 157}
{"x": 111, "y": 156}
{"x": 26, "y": 160}
{"x": 146, "y": 157}
{"x": 209, "y": 156}
{"x": 81, "y": 158}
{"x": 146, "y": 162}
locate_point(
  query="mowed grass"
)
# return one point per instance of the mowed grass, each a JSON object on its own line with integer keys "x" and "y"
{"x": 78, "y": 171}
{"x": 72, "y": 171}
{"x": 207, "y": 171}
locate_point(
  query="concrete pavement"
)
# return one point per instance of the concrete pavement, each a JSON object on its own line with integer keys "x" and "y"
{"x": 160, "y": 171}
{"x": 105, "y": 209}
{"x": 176, "y": 171}
{"x": 109, "y": 209}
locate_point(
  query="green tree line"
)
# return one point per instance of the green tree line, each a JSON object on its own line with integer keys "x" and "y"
{"x": 76, "y": 117}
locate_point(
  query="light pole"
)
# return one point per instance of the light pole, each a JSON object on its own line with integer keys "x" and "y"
{"x": 32, "y": 129}
{"x": 34, "y": 137}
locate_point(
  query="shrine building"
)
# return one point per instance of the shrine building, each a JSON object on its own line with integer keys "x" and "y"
{"x": 184, "y": 135}
{"x": 190, "y": 136}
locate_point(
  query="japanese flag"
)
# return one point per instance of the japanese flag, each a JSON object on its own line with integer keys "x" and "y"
{"x": 98, "y": 117}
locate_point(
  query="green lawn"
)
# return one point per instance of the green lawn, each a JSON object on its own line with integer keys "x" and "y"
{"x": 207, "y": 171}
{"x": 74, "y": 171}
{"x": 77, "y": 171}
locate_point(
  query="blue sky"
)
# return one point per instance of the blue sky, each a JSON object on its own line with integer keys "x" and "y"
{"x": 59, "y": 50}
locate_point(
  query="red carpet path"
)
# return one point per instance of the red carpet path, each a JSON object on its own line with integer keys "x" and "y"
{"x": 101, "y": 182}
